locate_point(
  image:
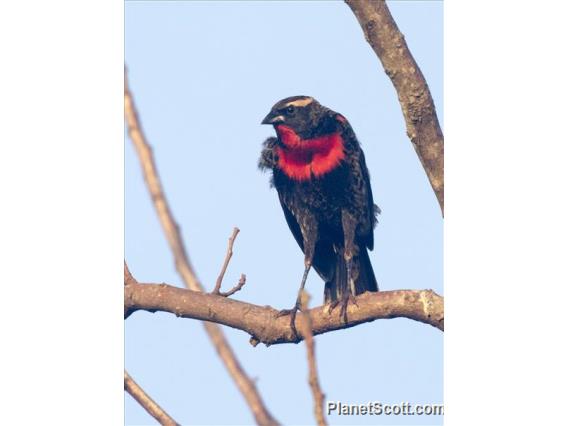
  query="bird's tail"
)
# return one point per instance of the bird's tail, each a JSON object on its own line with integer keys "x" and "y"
{"x": 338, "y": 288}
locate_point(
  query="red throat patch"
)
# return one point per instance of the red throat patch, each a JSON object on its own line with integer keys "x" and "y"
{"x": 300, "y": 159}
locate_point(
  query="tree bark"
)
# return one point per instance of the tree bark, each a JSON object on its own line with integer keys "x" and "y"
{"x": 262, "y": 323}
{"x": 414, "y": 96}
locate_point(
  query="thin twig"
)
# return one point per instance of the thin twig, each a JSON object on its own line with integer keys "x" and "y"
{"x": 306, "y": 330}
{"x": 414, "y": 96}
{"x": 238, "y": 287}
{"x": 263, "y": 323}
{"x": 217, "y": 289}
{"x": 146, "y": 402}
{"x": 183, "y": 266}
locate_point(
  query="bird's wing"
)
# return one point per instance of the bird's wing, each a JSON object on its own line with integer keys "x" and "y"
{"x": 368, "y": 204}
{"x": 292, "y": 223}
{"x": 372, "y": 208}
{"x": 324, "y": 257}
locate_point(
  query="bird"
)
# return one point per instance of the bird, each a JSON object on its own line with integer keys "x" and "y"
{"x": 319, "y": 172}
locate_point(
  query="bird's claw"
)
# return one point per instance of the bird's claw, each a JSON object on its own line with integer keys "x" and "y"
{"x": 292, "y": 312}
{"x": 344, "y": 302}
{"x": 353, "y": 300}
{"x": 283, "y": 312}
{"x": 332, "y": 306}
{"x": 343, "y": 310}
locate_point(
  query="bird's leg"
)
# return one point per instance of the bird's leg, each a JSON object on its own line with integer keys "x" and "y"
{"x": 349, "y": 224}
{"x": 298, "y": 303}
{"x": 349, "y": 294}
{"x": 309, "y": 233}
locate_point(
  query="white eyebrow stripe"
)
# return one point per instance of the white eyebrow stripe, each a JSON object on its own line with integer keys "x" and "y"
{"x": 300, "y": 102}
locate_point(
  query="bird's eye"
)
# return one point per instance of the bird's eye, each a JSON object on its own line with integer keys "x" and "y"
{"x": 290, "y": 109}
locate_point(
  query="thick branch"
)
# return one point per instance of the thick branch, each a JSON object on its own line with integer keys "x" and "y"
{"x": 128, "y": 278}
{"x": 146, "y": 402}
{"x": 262, "y": 323}
{"x": 422, "y": 124}
{"x": 183, "y": 266}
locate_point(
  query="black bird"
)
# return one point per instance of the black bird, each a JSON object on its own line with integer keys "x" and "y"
{"x": 319, "y": 172}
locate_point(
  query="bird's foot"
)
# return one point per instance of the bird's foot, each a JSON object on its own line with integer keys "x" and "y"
{"x": 332, "y": 305}
{"x": 343, "y": 303}
{"x": 353, "y": 300}
{"x": 292, "y": 312}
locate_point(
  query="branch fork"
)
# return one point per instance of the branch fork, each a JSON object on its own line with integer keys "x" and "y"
{"x": 242, "y": 280}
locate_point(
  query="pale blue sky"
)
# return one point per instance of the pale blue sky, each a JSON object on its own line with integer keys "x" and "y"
{"x": 204, "y": 74}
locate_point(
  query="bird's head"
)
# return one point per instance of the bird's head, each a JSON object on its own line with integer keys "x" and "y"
{"x": 302, "y": 114}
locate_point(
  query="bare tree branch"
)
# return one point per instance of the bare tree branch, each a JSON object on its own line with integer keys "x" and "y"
{"x": 240, "y": 284}
{"x": 422, "y": 124}
{"x": 183, "y": 266}
{"x": 306, "y": 330}
{"x": 146, "y": 402}
{"x": 242, "y": 280}
{"x": 151, "y": 177}
{"x": 128, "y": 278}
{"x": 262, "y": 323}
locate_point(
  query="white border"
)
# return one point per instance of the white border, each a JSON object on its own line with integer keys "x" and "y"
{"x": 506, "y": 213}
{"x": 61, "y": 230}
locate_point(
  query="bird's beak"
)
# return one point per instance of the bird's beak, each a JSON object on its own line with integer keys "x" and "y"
{"x": 272, "y": 118}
